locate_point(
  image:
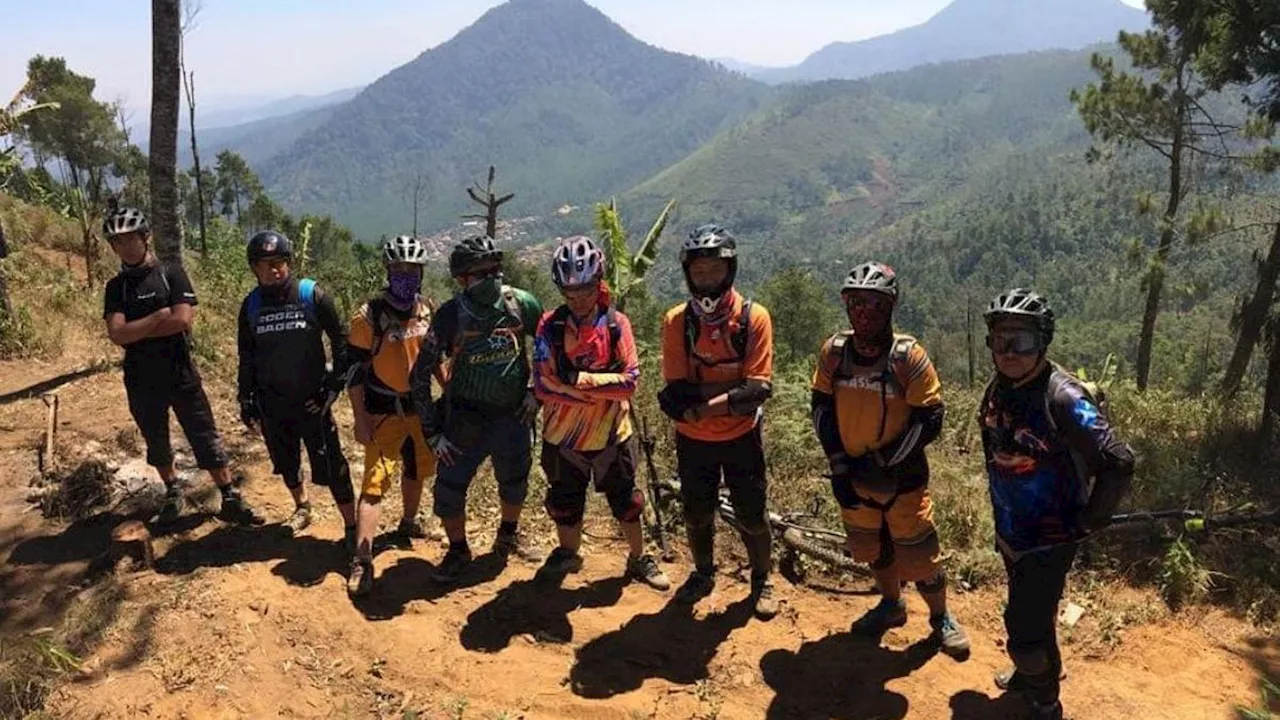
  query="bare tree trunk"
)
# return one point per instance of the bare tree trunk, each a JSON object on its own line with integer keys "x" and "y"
{"x": 1253, "y": 316}
{"x": 968, "y": 333}
{"x": 189, "y": 84}
{"x": 166, "y": 50}
{"x": 1155, "y": 280}
{"x": 1271, "y": 399}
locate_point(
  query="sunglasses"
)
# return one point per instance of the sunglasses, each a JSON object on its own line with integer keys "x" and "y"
{"x": 275, "y": 263}
{"x": 1017, "y": 342}
{"x": 858, "y": 302}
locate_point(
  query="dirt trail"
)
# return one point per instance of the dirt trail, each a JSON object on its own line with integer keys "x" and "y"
{"x": 239, "y": 623}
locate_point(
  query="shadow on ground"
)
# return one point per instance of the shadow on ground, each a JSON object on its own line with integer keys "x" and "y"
{"x": 540, "y": 610}
{"x": 671, "y": 644}
{"x": 841, "y": 676}
{"x": 410, "y": 579}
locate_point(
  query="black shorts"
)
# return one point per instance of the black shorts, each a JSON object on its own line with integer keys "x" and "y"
{"x": 567, "y": 484}
{"x": 152, "y": 391}
{"x": 740, "y": 461}
{"x": 285, "y": 434}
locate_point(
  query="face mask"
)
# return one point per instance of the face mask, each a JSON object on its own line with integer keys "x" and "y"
{"x": 487, "y": 291}
{"x": 402, "y": 289}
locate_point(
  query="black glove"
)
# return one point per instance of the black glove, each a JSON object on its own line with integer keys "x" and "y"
{"x": 674, "y": 401}
{"x": 249, "y": 415}
{"x": 335, "y": 382}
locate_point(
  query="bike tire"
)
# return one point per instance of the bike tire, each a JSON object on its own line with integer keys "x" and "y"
{"x": 796, "y": 540}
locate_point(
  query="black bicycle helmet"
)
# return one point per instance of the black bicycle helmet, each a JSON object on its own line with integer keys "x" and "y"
{"x": 125, "y": 220}
{"x": 709, "y": 241}
{"x": 873, "y": 276}
{"x": 471, "y": 252}
{"x": 268, "y": 244}
{"x": 1020, "y": 302}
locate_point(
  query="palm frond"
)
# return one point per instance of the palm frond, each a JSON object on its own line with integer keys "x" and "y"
{"x": 647, "y": 254}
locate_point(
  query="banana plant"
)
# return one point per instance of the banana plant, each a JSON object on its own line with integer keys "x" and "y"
{"x": 624, "y": 270}
{"x": 9, "y": 116}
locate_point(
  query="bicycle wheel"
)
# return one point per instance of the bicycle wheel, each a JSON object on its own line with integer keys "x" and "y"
{"x": 796, "y": 540}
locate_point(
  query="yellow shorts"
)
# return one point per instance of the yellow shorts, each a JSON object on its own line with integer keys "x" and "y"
{"x": 398, "y": 450}
{"x": 912, "y": 547}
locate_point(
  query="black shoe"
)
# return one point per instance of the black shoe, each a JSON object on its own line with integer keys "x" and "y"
{"x": 172, "y": 508}
{"x": 560, "y": 562}
{"x": 360, "y": 581}
{"x": 877, "y": 621}
{"x": 698, "y": 585}
{"x": 450, "y": 569}
{"x": 237, "y": 511}
{"x": 515, "y": 543}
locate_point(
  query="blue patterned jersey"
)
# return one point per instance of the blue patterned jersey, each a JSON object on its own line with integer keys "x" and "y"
{"x": 1043, "y": 442}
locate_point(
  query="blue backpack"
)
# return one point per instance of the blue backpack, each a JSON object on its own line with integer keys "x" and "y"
{"x": 306, "y": 292}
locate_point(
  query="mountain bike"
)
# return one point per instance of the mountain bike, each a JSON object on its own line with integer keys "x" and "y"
{"x": 1199, "y": 521}
{"x": 800, "y": 533}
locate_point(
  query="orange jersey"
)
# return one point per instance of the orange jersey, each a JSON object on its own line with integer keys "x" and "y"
{"x": 713, "y": 360}
{"x": 397, "y": 348}
{"x": 873, "y": 403}
{"x": 595, "y": 411}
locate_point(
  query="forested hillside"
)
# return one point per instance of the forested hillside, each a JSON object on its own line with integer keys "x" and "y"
{"x": 564, "y": 100}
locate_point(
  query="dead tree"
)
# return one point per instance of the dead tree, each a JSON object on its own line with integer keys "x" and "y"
{"x": 490, "y": 202}
{"x": 189, "y": 88}
{"x": 415, "y": 191}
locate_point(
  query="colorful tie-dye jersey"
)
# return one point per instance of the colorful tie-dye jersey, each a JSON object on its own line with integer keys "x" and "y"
{"x": 1043, "y": 442}
{"x": 596, "y": 410}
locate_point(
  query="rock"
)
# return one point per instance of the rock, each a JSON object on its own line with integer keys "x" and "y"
{"x": 136, "y": 486}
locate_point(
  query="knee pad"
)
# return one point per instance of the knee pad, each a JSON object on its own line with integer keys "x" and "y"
{"x": 694, "y": 519}
{"x": 633, "y": 509}
{"x": 754, "y": 525}
{"x": 565, "y": 514}
{"x": 932, "y": 585}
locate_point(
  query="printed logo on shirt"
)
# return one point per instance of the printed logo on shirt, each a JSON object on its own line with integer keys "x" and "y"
{"x": 290, "y": 318}
{"x": 148, "y": 296}
{"x": 867, "y": 382}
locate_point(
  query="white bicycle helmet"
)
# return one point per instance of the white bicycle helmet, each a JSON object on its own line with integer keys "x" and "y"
{"x": 404, "y": 249}
{"x": 576, "y": 261}
{"x": 124, "y": 221}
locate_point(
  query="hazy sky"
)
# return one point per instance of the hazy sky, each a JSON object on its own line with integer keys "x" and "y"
{"x": 243, "y": 51}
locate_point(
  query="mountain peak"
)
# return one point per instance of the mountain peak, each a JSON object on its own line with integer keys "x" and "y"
{"x": 968, "y": 29}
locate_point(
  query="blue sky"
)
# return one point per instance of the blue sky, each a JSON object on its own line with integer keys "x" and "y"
{"x": 246, "y": 51}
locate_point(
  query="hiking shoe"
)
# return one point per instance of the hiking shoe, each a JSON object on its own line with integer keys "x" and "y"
{"x": 954, "y": 640}
{"x": 1010, "y": 680}
{"x": 450, "y": 568}
{"x": 1052, "y": 711}
{"x": 360, "y": 581}
{"x": 349, "y": 540}
{"x": 698, "y": 585}
{"x": 515, "y": 543}
{"x": 172, "y": 508}
{"x": 645, "y": 569}
{"x": 236, "y": 510}
{"x": 561, "y": 562}
{"x": 887, "y": 614}
{"x": 766, "y": 604}
{"x": 411, "y": 529}
{"x": 300, "y": 519}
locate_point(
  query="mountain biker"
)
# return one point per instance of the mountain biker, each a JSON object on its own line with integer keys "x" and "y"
{"x": 283, "y": 386}
{"x": 149, "y": 308}
{"x": 585, "y": 372}
{"x": 488, "y": 407}
{"x": 1043, "y": 437}
{"x": 717, "y": 361}
{"x": 876, "y": 405}
{"x": 387, "y": 335}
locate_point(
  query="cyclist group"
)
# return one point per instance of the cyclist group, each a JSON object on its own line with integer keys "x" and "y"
{"x": 436, "y": 391}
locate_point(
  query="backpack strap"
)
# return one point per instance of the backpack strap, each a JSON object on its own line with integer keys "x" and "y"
{"x": 615, "y": 337}
{"x": 253, "y": 307}
{"x": 307, "y": 294}
{"x": 840, "y": 347}
{"x": 738, "y": 340}
{"x": 742, "y": 335}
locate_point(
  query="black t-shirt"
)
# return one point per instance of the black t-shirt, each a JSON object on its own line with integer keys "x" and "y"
{"x": 137, "y": 293}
